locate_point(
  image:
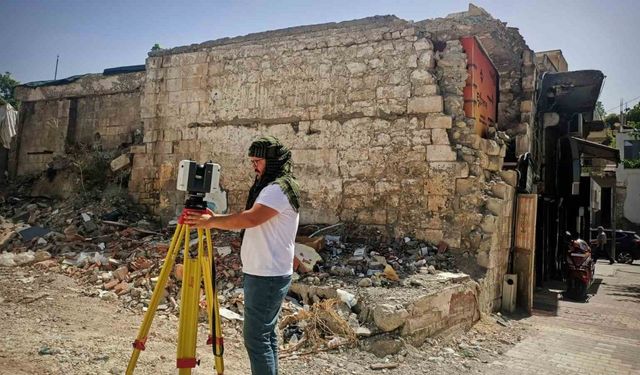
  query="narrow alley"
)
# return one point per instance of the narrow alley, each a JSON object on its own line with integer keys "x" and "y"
{"x": 601, "y": 336}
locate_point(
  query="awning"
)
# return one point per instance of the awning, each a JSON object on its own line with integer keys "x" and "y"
{"x": 570, "y": 92}
{"x": 596, "y": 150}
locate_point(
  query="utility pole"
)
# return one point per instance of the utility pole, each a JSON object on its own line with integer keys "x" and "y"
{"x": 621, "y": 113}
{"x": 55, "y": 75}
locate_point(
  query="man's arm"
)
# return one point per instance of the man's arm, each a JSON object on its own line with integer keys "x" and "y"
{"x": 250, "y": 218}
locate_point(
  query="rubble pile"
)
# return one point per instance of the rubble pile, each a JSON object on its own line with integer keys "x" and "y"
{"x": 325, "y": 308}
{"x": 116, "y": 249}
{"x": 369, "y": 263}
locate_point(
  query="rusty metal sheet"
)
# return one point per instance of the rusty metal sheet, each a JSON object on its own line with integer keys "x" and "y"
{"x": 481, "y": 90}
{"x": 525, "y": 244}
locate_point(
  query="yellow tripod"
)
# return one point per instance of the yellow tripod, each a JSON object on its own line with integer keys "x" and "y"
{"x": 198, "y": 268}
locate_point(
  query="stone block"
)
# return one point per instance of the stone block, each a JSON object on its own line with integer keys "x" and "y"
{"x": 191, "y": 83}
{"x": 174, "y": 72}
{"x": 393, "y": 92}
{"x": 453, "y": 238}
{"x": 171, "y": 135}
{"x": 425, "y": 90}
{"x": 437, "y": 203}
{"x": 439, "y": 137}
{"x": 438, "y": 122}
{"x": 138, "y": 149}
{"x": 372, "y": 217}
{"x": 174, "y": 84}
{"x": 422, "y": 77}
{"x": 489, "y": 224}
{"x": 412, "y": 61}
{"x": 426, "y": 60}
{"x": 421, "y": 137}
{"x": 216, "y": 68}
{"x": 388, "y": 317}
{"x": 428, "y": 104}
{"x": 152, "y": 136}
{"x": 356, "y": 68}
{"x": 189, "y": 110}
{"x": 496, "y": 206}
{"x": 465, "y": 186}
{"x": 482, "y": 258}
{"x": 386, "y": 187}
{"x": 526, "y": 106}
{"x": 440, "y": 183}
{"x": 120, "y": 162}
{"x": 450, "y": 169}
{"x": 356, "y": 188}
{"x": 500, "y": 190}
{"x": 423, "y": 44}
{"x": 353, "y": 154}
{"x": 440, "y": 153}
{"x": 490, "y": 147}
{"x": 432, "y": 235}
{"x": 163, "y": 148}
{"x": 510, "y": 177}
{"x": 495, "y": 163}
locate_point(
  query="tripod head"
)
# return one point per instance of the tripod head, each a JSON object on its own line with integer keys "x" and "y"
{"x": 195, "y": 201}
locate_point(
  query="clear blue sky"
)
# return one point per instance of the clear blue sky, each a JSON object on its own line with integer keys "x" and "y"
{"x": 92, "y": 35}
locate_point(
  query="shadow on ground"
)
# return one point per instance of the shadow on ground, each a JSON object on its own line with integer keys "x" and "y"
{"x": 626, "y": 292}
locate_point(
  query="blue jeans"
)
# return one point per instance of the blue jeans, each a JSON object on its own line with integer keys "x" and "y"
{"x": 263, "y": 296}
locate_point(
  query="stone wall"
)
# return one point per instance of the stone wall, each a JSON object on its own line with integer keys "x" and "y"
{"x": 374, "y": 118}
{"x": 513, "y": 59}
{"x": 109, "y": 120}
{"x": 93, "y": 110}
{"x": 481, "y": 206}
{"x": 372, "y": 111}
{"x": 42, "y": 131}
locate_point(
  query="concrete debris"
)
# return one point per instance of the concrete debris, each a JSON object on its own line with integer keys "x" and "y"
{"x": 108, "y": 296}
{"x": 223, "y": 251}
{"x": 305, "y": 258}
{"x": 346, "y": 297}
{"x": 383, "y": 366}
{"x": 230, "y": 315}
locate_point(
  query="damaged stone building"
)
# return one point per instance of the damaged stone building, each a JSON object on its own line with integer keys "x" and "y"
{"x": 386, "y": 123}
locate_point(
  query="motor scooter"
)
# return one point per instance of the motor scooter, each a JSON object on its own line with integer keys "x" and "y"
{"x": 580, "y": 268}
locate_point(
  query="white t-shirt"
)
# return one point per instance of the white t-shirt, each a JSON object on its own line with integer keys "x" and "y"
{"x": 267, "y": 249}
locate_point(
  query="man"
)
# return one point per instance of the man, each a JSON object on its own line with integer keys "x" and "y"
{"x": 270, "y": 221}
{"x": 601, "y": 243}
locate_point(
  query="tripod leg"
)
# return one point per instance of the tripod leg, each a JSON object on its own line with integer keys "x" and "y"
{"x": 188, "y": 326}
{"x": 139, "y": 343}
{"x": 213, "y": 307}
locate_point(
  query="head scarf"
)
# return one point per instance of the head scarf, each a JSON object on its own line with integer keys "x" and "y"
{"x": 278, "y": 170}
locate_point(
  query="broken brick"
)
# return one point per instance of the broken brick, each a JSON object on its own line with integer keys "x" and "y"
{"x": 111, "y": 284}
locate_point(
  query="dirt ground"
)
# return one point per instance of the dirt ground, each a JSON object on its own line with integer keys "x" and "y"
{"x": 51, "y": 324}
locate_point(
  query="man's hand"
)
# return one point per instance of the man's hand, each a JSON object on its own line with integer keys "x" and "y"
{"x": 255, "y": 216}
{"x": 203, "y": 221}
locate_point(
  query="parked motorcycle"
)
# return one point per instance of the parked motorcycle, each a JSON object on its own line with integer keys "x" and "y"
{"x": 580, "y": 268}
